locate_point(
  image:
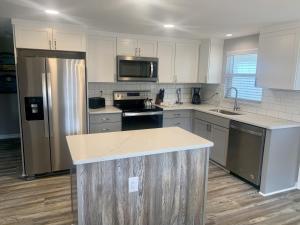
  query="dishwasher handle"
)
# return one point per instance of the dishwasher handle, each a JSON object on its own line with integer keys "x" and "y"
{"x": 256, "y": 133}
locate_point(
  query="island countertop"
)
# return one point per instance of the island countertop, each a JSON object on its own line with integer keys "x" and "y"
{"x": 89, "y": 148}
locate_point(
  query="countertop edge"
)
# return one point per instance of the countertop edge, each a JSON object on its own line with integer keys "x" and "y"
{"x": 234, "y": 118}
{"x": 131, "y": 155}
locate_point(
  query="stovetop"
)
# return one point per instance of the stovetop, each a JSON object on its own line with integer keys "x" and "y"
{"x": 142, "y": 109}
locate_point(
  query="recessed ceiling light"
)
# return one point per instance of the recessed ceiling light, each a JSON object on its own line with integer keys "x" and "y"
{"x": 228, "y": 35}
{"x": 169, "y": 26}
{"x": 51, "y": 11}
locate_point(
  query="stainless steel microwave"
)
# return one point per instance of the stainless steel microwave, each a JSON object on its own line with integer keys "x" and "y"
{"x": 142, "y": 69}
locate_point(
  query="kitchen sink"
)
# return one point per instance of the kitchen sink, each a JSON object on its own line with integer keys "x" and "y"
{"x": 226, "y": 112}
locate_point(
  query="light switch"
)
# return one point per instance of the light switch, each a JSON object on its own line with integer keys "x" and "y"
{"x": 133, "y": 184}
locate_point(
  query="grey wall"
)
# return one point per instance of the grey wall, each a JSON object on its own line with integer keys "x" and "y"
{"x": 9, "y": 119}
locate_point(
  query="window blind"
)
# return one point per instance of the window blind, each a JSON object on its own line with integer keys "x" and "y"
{"x": 241, "y": 74}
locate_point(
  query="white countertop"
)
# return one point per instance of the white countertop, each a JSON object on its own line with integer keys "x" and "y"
{"x": 267, "y": 122}
{"x": 106, "y": 109}
{"x": 89, "y": 148}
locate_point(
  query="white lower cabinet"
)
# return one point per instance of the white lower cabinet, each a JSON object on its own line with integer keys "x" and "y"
{"x": 218, "y": 135}
{"x": 178, "y": 118}
{"x": 103, "y": 123}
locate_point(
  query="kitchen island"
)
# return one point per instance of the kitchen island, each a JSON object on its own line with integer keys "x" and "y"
{"x": 153, "y": 176}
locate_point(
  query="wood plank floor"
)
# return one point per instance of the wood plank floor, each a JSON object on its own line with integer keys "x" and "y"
{"x": 47, "y": 200}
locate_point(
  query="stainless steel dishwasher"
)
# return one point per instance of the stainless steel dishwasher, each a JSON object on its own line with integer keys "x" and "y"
{"x": 245, "y": 151}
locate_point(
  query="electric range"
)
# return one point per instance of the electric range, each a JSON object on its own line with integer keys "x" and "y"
{"x": 135, "y": 115}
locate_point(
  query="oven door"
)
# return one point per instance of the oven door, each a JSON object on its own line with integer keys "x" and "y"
{"x": 137, "y": 68}
{"x": 139, "y": 121}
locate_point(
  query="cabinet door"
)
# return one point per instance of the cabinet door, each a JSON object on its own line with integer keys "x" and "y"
{"x": 186, "y": 62}
{"x": 127, "y": 47}
{"x": 166, "y": 56}
{"x": 33, "y": 37}
{"x": 101, "y": 59}
{"x": 69, "y": 39}
{"x": 202, "y": 129}
{"x": 184, "y": 123}
{"x": 220, "y": 137}
{"x": 211, "y": 61}
{"x": 147, "y": 48}
{"x": 277, "y": 60}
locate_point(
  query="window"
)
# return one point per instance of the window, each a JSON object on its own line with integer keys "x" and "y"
{"x": 241, "y": 74}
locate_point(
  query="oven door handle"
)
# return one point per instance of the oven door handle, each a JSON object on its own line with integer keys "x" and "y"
{"x": 130, "y": 114}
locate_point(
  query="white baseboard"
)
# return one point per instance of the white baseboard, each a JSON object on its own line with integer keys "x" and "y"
{"x": 278, "y": 192}
{"x": 9, "y": 136}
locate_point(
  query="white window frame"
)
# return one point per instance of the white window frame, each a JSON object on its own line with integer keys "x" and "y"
{"x": 231, "y": 75}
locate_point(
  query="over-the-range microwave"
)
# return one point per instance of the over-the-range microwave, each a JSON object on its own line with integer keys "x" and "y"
{"x": 141, "y": 69}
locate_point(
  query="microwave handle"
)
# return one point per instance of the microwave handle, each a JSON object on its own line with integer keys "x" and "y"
{"x": 151, "y": 69}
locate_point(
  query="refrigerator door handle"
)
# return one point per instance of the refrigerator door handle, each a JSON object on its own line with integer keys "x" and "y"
{"x": 49, "y": 95}
{"x": 45, "y": 107}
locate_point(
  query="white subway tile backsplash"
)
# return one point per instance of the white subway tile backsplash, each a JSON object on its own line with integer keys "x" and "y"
{"x": 94, "y": 90}
{"x": 275, "y": 103}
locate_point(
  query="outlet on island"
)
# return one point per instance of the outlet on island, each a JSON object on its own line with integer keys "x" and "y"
{"x": 133, "y": 184}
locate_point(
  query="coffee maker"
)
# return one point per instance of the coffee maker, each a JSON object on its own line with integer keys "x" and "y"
{"x": 196, "y": 97}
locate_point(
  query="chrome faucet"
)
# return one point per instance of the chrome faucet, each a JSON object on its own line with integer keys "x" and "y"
{"x": 236, "y": 106}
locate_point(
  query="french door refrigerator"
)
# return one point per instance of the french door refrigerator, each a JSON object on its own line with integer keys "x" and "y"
{"x": 52, "y": 95}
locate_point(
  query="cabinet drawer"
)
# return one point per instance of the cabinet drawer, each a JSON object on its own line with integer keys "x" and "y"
{"x": 217, "y": 120}
{"x": 105, "y": 118}
{"x": 105, "y": 127}
{"x": 184, "y": 123}
{"x": 177, "y": 114}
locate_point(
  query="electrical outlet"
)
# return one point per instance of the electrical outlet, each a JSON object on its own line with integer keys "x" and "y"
{"x": 133, "y": 184}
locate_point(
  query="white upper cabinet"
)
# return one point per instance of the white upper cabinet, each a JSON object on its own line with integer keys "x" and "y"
{"x": 278, "y": 60}
{"x": 135, "y": 47}
{"x": 69, "y": 39}
{"x": 44, "y": 36}
{"x": 127, "y": 47}
{"x": 211, "y": 61}
{"x": 33, "y": 36}
{"x": 166, "y": 56}
{"x": 147, "y": 48}
{"x": 101, "y": 59}
{"x": 186, "y": 62}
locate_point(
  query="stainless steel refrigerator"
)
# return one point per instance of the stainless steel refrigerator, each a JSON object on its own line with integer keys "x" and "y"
{"x": 52, "y": 95}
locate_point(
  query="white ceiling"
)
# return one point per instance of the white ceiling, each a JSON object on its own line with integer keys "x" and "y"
{"x": 192, "y": 18}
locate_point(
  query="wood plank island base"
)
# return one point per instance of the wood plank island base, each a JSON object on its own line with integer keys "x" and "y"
{"x": 154, "y": 176}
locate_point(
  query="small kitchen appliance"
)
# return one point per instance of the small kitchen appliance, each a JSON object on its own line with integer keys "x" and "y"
{"x": 196, "y": 97}
{"x": 96, "y": 102}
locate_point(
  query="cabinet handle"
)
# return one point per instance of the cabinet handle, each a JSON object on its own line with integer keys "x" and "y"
{"x": 208, "y": 127}
{"x": 50, "y": 47}
{"x": 55, "y": 44}
{"x": 177, "y": 114}
{"x": 105, "y": 119}
{"x": 139, "y": 51}
{"x": 105, "y": 129}
{"x": 178, "y": 123}
{"x": 135, "y": 52}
